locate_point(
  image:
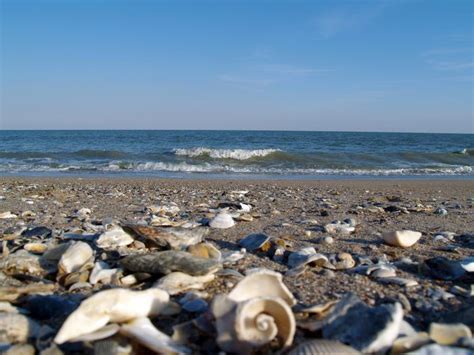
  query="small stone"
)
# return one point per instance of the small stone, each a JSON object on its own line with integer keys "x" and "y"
{"x": 449, "y": 334}
{"x": 328, "y": 240}
{"x": 403, "y": 239}
{"x": 441, "y": 211}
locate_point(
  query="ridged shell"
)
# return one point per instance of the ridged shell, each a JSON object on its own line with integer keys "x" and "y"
{"x": 322, "y": 347}
{"x": 222, "y": 221}
{"x": 178, "y": 282}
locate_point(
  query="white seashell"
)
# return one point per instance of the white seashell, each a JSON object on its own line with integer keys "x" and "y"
{"x": 261, "y": 283}
{"x": 233, "y": 256}
{"x": 82, "y": 213}
{"x": 102, "y": 273}
{"x": 177, "y": 282}
{"x": 102, "y": 333}
{"x": 74, "y": 258}
{"x": 339, "y": 228}
{"x": 408, "y": 343}
{"x": 245, "y": 326}
{"x": 143, "y": 331}
{"x": 245, "y": 208}
{"x": 468, "y": 264}
{"x": 7, "y": 215}
{"x": 115, "y": 305}
{"x": 170, "y": 210}
{"x": 222, "y": 221}
{"x": 449, "y": 334}
{"x": 306, "y": 256}
{"x": 403, "y": 239}
{"x": 114, "y": 238}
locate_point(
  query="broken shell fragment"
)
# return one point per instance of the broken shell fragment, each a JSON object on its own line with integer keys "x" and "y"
{"x": 178, "y": 282}
{"x": 222, "y": 221}
{"x": 205, "y": 250}
{"x": 306, "y": 256}
{"x": 114, "y": 238}
{"x": 115, "y": 305}
{"x": 402, "y": 239}
{"x": 256, "y": 241}
{"x": 143, "y": 331}
{"x": 322, "y": 347}
{"x": 102, "y": 273}
{"x": 168, "y": 261}
{"x": 16, "y": 328}
{"x": 74, "y": 258}
{"x": 449, "y": 334}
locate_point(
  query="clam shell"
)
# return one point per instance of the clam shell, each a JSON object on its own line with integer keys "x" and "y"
{"x": 205, "y": 250}
{"x": 178, "y": 238}
{"x": 114, "y": 238}
{"x": 306, "y": 256}
{"x": 115, "y": 305}
{"x": 102, "y": 273}
{"x": 37, "y": 232}
{"x": 102, "y": 333}
{"x": 143, "y": 331}
{"x": 74, "y": 258}
{"x": 222, "y": 221}
{"x": 262, "y": 283}
{"x": 402, "y": 239}
{"x": 449, "y": 334}
{"x": 35, "y": 248}
{"x": 178, "y": 282}
{"x": 322, "y": 346}
{"x": 168, "y": 261}
{"x": 255, "y": 241}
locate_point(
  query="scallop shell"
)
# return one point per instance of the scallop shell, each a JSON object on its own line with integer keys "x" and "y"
{"x": 168, "y": 261}
{"x": 178, "y": 238}
{"x": 114, "y": 238}
{"x": 115, "y": 305}
{"x": 262, "y": 283}
{"x": 74, "y": 258}
{"x": 403, "y": 239}
{"x": 178, "y": 282}
{"x": 322, "y": 347}
{"x": 222, "y": 221}
{"x": 256, "y": 241}
{"x": 143, "y": 331}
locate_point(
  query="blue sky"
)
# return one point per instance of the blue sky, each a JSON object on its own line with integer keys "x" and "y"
{"x": 291, "y": 65}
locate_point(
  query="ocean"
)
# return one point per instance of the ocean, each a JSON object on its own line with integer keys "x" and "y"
{"x": 236, "y": 154}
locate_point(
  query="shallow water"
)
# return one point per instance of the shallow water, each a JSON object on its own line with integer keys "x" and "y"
{"x": 236, "y": 154}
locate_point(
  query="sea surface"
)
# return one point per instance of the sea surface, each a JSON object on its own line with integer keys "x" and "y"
{"x": 236, "y": 154}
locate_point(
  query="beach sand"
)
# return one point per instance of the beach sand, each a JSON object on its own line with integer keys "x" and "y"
{"x": 295, "y": 210}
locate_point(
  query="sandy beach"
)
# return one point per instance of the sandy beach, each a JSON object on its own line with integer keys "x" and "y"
{"x": 294, "y": 211}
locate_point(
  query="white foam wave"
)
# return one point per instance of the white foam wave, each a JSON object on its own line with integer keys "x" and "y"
{"x": 238, "y": 154}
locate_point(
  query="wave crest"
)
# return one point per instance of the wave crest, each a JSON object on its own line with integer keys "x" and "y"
{"x": 237, "y": 154}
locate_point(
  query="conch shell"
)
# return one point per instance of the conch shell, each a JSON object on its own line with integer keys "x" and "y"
{"x": 254, "y": 313}
{"x": 115, "y": 305}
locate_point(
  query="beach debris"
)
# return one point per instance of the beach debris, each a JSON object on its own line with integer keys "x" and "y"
{"x": 436, "y": 349}
{"x": 343, "y": 261}
{"x": 37, "y": 232}
{"x": 231, "y": 257}
{"x": 102, "y": 333}
{"x": 143, "y": 331}
{"x": 441, "y": 211}
{"x": 205, "y": 250}
{"x": 7, "y": 215}
{"x": 306, "y": 256}
{"x": 337, "y": 227}
{"x": 35, "y": 248}
{"x": 103, "y": 273}
{"x": 256, "y": 241}
{"x": 116, "y": 306}
{"x": 16, "y": 328}
{"x": 114, "y": 238}
{"x": 164, "y": 210}
{"x": 468, "y": 264}
{"x": 449, "y": 334}
{"x": 408, "y": 343}
{"x": 222, "y": 220}
{"x": 23, "y": 262}
{"x": 402, "y": 239}
{"x": 165, "y": 262}
{"x": 254, "y": 313}
{"x": 322, "y": 347}
{"x": 178, "y": 282}
{"x": 371, "y": 329}
{"x": 443, "y": 268}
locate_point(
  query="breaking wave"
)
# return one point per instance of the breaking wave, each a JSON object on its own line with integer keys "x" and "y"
{"x": 237, "y": 154}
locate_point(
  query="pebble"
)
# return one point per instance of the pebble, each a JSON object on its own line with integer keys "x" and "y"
{"x": 402, "y": 239}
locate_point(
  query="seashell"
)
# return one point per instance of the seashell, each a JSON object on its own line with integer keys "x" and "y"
{"x": 261, "y": 283}
{"x": 37, "y": 232}
{"x": 14, "y": 232}
{"x": 232, "y": 257}
{"x": 82, "y": 213}
{"x": 245, "y": 217}
{"x": 114, "y": 238}
{"x": 339, "y": 228}
{"x": 399, "y": 281}
{"x": 13, "y": 293}
{"x": 256, "y": 241}
{"x": 468, "y": 264}
{"x": 75, "y": 277}
{"x": 99, "y": 334}
{"x": 246, "y": 326}
{"x": 35, "y": 248}
{"x": 409, "y": 343}
{"x": 323, "y": 347}
{"x": 168, "y": 261}
{"x": 7, "y": 215}
{"x": 205, "y": 250}
{"x": 306, "y": 256}
{"x": 79, "y": 235}
{"x": 319, "y": 310}
{"x": 403, "y": 239}
{"x": 158, "y": 221}
{"x": 178, "y": 282}
{"x": 444, "y": 268}
{"x": 20, "y": 349}
{"x": 23, "y": 262}
{"x": 344, "y": 261}
{"x": 102, "y": 273}
{"x": 143, "y": 331}
{"x": 7, "y": 307}
{"x": 436, "y": 349}
{"x": 115, "y": 305}
{"x": 372, "y": 330}
{"x": 170, "y": 238}
{"x": 74, "y": 258}
{"x": 164, "y": 210}
{"x": 54, "y": 253}
{"x": 449, "y": 334}
{"x": 17, "y": 328}
{"x": 223, "y": 220}
{"x": 80, "y": 286}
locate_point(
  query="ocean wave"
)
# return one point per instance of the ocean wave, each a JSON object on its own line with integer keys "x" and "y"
{"x": 237, "y": 154}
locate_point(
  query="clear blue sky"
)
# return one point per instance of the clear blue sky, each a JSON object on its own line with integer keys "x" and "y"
{"x": 290, "y": 65}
